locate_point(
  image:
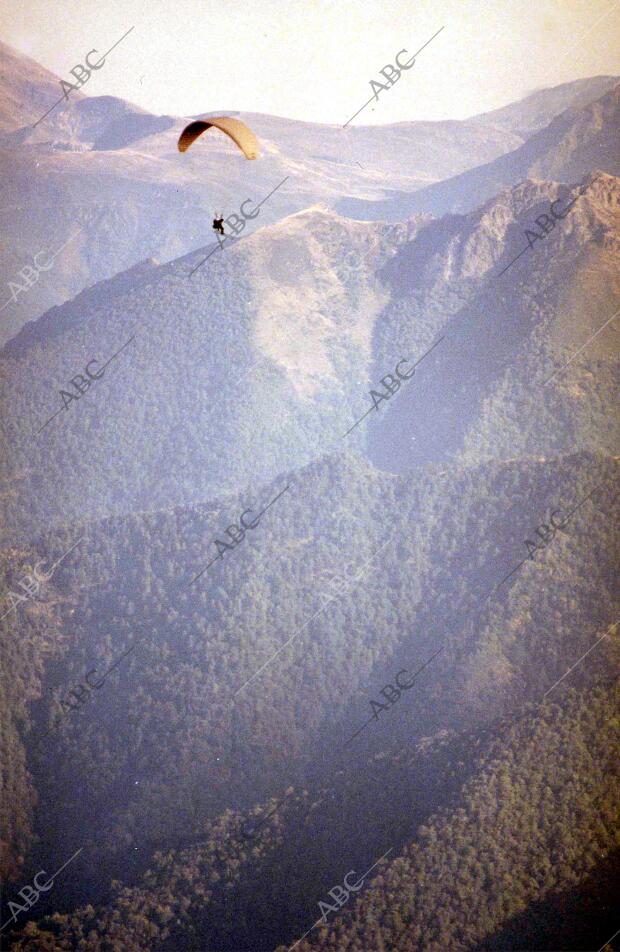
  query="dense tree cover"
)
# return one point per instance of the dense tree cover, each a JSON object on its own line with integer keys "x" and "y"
{"x": 262, "y": 360}
{"x": 34, "y": 635}
{"x": 262, "y": 690}
{"x": 312, "y": 824}
{"x": 533, "y": 412}
{"x": 176, "y": 734}
{"x": 168, "y": 742}
{"x": 536, "y": 816}
{"x": 484, "y": 391}
{"x": 540, "y": 815}
{"x": 198, "y": 404}
{"x": 565, "y": 918}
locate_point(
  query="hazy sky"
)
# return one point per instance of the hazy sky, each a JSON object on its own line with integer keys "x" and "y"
{"x": 314, "y": 59}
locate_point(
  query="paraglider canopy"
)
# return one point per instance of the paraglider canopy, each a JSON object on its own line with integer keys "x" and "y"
{"x": 243, "y": 137}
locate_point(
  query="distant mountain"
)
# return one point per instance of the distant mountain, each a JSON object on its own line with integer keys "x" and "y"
{"x": 200, "y": 729}
{"x": 492, "y": 390}
{"x": 95, "y": 154}
{"x": 27, "y": 90}
{"x": 537, "y": 110}
{"x": 575, "y": 142}
{"x": 263, "y": 359}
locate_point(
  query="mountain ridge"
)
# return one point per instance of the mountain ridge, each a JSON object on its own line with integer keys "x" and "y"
{"x": 95, "y": 152}
{"x": 565, "y": 150}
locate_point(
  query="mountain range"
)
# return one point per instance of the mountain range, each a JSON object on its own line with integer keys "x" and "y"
{"x": 371, "y": 442}
{"x": 265, "y": 357}
{"x": 100, "y": 154}
{"x": 576, "y": 140}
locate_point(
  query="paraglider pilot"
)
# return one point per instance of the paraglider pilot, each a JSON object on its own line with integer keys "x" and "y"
{"x": 218, "y": 223}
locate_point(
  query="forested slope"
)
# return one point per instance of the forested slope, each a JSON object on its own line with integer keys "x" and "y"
{"x": 236, "y": 687}
{"x": 539, "y": 818}
{"x": 532, "y": 817}
{"x": 264, "y": 358}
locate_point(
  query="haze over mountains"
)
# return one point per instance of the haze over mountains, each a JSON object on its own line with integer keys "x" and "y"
{"x": 264, "y": 358}
{"x": 94, "y": 154}
{"x": 579, "y": 138}
{"x": 176, "y": 748}
{"x": 217, "y": 785}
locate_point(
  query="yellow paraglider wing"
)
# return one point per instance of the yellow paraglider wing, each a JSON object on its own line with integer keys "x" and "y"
{"x": 243, "y": 137}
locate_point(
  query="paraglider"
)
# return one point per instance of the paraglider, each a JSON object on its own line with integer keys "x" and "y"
{"x": 242, "y": 136}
